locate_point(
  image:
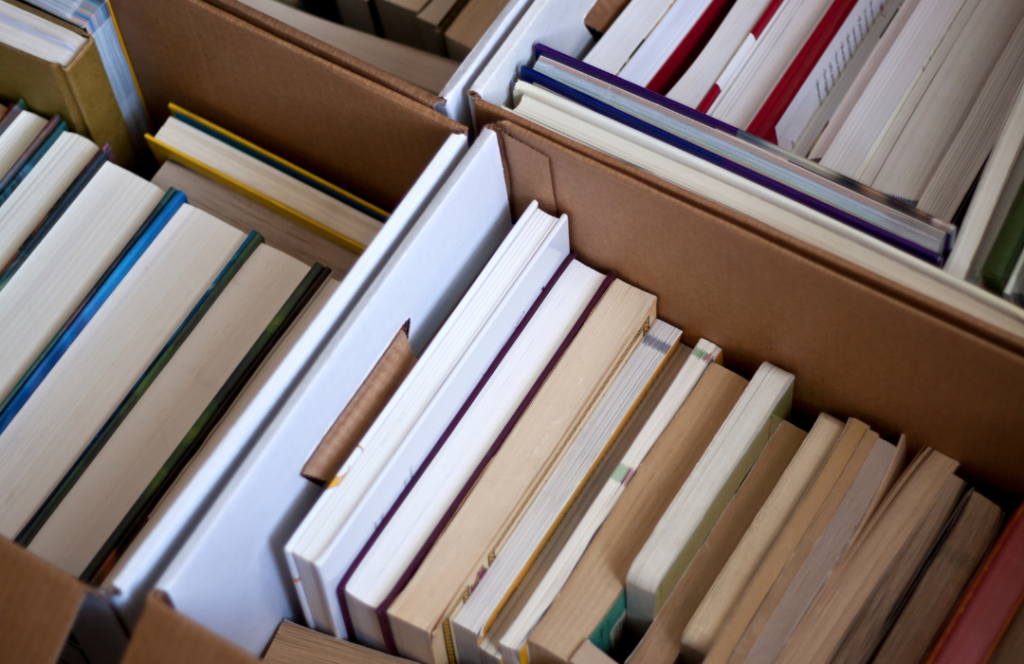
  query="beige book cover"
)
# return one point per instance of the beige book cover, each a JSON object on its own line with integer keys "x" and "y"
{"x": 419, "y": 617}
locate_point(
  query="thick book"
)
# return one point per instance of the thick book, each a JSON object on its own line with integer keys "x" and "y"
{"x": 17, "y": 131}
{"x": 420, "y": 616}
{"x": 474, "y": 436}
{"x": 71, "y": 83}
{"x": 22, "y": 164}
{"x": 559, "y": 494}
{"x": 596, "y": 584}
{"x": 695, "y": 509}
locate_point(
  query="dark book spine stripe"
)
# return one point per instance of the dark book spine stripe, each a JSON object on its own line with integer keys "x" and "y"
{"x": 113, "y": 276}
{"x": 32, "y": 162}
{"x": 55, "y": 125}
{"x": 382, "y": 610}
{"x": 691, "y": 46}
{"x": 51, "y": 217}
{"x": 346, "y": 616}
{"x": 136, "y": 517}
{"x": 530, "y": 75}
{"x": 144, "y": 382}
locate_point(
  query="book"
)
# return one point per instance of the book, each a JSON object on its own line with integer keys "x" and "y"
{"x": 595, "y": 586}
{"x": 65, "y": 265}
{"x": 664, "y": 400}
{"x": 913, "y": 145}
{"x": 689, "y": 47}
{"x": 96, "y": 17}
{"x": 247, "y": 215}
{"x": 705, "y": 493}
{"x": 420, "y": 615}
{"x": 660, "y": 643}
{"x": 20, "y": 128}
{"x": 1011, "y": 643}
{"x": 230, "y": 161}
{"x": 675, "y": 27}
{"x": 760, "y": 69}
{"x": 602, "y": 14}
{"x": 27, "y": 206}
{"x": 634, "y": 24}
{"x": 997, "y": 268}
{"x": 560, "y": 492}
{"x": 830, "y": 486}
{"x": 847, "y": 596}
{"x": 403, "y": 540}
{"x": 294, "y": 644}
{"x": 731, "y": 35}
{"x": 835, "y": 43}
{"x": 398, "y": 19}
{"x": 819, "y": 549}
{"x": 162, "y": 408}
{"x": 22, "y": 163}
{"x": 58, "y": 70}
{"x": 944, "y": 578}
{"x": 989, "y": 604}
{"x": 409, "y": 64}
{"x": 107, "y": 358}
{"x": 324, "y": 546}
{"x": 909, "y": 64}
{"x": 717, "y": 604}
{"x": 433, "y": 20}
{"x": 948, "y": 185}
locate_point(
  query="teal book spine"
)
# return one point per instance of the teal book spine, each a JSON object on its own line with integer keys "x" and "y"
{"x": 607, "y": 634}
{"x": 87, "y": 309}
{"x": 136, "y": 517}
{"x": 139, "y": 389}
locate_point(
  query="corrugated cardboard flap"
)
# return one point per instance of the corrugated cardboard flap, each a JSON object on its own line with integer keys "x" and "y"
{"x": 859, "y": 345}
{"x": 38, "y": 606}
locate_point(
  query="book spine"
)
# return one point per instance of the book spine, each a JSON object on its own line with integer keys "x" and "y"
{"x": 87, "y": 309}
{"x": 690, "y": 47}
{"x": 137, "y": 515}
{"x": 343, "y": 584}
{"x": 31, "y": 156}
{"x": 382, "y": 610}
{"x": 123, "y": 409}
{"x": 13, "y": 111}
{"x": 51, "y": 217}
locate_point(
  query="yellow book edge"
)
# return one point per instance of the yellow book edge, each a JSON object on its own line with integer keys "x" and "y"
{"x": 179, "y": 111}
{"x": 163, "y": 152}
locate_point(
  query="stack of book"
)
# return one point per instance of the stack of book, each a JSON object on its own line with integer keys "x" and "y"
{"x": 891, "y": 125}
{"x": 138, "y": 324}
{"x": 558, "y": 476}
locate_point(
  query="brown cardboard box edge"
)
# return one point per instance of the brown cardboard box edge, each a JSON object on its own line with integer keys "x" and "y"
{"x": 164, "y": 636}
{"x": 490, "y": 114}
{"x": 342, "y": 126}
{"x": 327, "y": 52}
{"x": 38, "y": 606}
{"x": 859, "y": 346}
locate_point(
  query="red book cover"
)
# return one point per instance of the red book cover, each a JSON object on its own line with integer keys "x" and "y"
{"x": 782, "y": 96}
{"x": 989, "y": 605}
{"x": 690, "y": 47}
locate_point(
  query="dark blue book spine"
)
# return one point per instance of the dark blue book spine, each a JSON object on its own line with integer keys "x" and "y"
{"x": 85, "y": 312}
{"x": 51, "y": 217}
{"x": 151, "y": 373}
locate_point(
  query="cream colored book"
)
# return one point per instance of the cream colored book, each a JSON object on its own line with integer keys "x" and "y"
{"x": 559, "y": 492}
{"x": 253, "y": 174}
{"x": 419, "y": 618}
{"x": 702, "y": 629}
{"x": 16, "y": 138}
{"x": 74, "y": 400}
{"x": 682, "y": 529}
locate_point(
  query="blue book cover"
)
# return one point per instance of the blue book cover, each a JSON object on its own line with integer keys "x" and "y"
{"x": 54, "y": 214}
{"x": 204, "y": 304}
{"x": 85, "y": 312}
